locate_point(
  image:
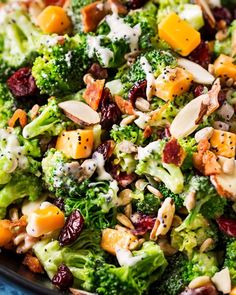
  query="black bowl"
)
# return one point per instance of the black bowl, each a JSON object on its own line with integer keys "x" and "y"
{"x": 13, "y": 271}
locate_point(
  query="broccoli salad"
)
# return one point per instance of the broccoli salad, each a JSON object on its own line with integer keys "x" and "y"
{"x": 118, "y": 144}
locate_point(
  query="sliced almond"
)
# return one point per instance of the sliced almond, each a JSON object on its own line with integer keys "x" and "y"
{"x": 80, "y": 292}
{"x": 80, "y": 113}
{"x": 225, "y": 184}
{"x": 184, "y": 123}
{"x": 189, "y": 118}
{"x": 222, "y": 281}
{"x": 200, "y": 75}
{"x": 199, "y": 282}
{"x": 207, "y": 12}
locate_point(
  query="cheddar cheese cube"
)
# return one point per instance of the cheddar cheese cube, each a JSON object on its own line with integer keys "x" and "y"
{"x": 53, "y": 19}
{"x": 76, "y": 144}
{"x": 223, "y": 143}
{"x": 172, "y": 82}
{"x": 225, "y": 67}
{"x": 179, "y": 34}
{"x": 5, "y": 232}
{"x": 112, "y": 238}
{"x": 45, "y": 220}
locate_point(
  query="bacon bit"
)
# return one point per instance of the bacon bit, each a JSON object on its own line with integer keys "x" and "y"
{"x": 206, "y": 161}
{"x": 34, "y": 111}
{"x": 18, "y": 115}
{"x": 173, "y": 153}
{"x": 147, "y": 132}
{"x": 33, "y": 263}
{"x": 55, "y": 2}
{"x": 119, "y": 7}
{"x": 93, "y": 92}
{"x": 20, "y": 223}
{"x": 92, "y": 14}
{"x": 125, "y": 106}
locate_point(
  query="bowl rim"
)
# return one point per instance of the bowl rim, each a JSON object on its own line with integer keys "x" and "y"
{"x": 18, "y": 279}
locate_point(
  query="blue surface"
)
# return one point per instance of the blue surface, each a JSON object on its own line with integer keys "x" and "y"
{"x": 8, "y": 288}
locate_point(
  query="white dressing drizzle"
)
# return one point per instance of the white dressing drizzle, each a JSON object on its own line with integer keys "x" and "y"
{"x": 149, "y": 76}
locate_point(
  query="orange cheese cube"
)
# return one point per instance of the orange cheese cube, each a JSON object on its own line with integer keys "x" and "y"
{"x": 223, "y": 143}
{"x": 53, "y": 19}
{"x": 179, "y": 34}
{"x": 45, "y": 220}
{"x": 225, "y": 67}
{"x": 5, "y": 232}
{"x": 76, "y": 144}
{"x": 172, "y": 82}
{"x": 112, "y": 238}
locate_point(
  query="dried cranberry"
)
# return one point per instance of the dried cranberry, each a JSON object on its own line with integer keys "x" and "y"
{"x": 98, "y": 72}
{"x": 227, "y": 225}
{"x": 143, "y": 223}
{"x": 63, "y": 279}
{"x": 198, "y": 90}
{"x": 201, "y": 55}
{"x": 106, "y": 148}
{"x": 59, "y": 202}
{"x": 138, "y": 90}
{"x": 123, "y": 178}
{"x": 22, "y": 83}
{"x": 221, "y": 97}
{"x": 208, "y": 289}
{"x": 222, "y": 13}
{"x": 135, "y": 4}
{"x": 72, "y": 228}
{"x": 207, "y": 32}
{"x": 110, "y": 113}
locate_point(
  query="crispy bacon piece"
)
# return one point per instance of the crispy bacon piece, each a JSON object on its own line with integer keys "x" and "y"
{"x": 93, "y": 13}
{"x": 147, "y": 132}
{"x": 33, "y": 263}
{"x": 125, "y": 106}
{"x": 93, "y": 92}
{"x": 18, "y": 115}
{"x": 206, "y": 161}
{"x": 173, "y": 153}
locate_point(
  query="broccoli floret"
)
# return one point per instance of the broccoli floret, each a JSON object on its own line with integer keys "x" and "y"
{"x": 60, "y": 69}
{"x": 97, "y": 203}
{"x": 51, "y": 121}
{"x": 129, "y": 132}
{"x": 21, "y": 185}
{"x": 192, "y": 236}
{"x": 57, "y": 177}
{"x": 21, "y": 39}
{"x": 189, "y": 145}
{"x": 173, "y": 280}
{"x": 17, "y": 154}
{"x": 168, "y": 6}
{"x": 224, "y": 46}
{"x": 6, "y": 105}
{"x": 208, "y": 202}
{"x": 150, "y": 163}
{"x": 145, "y": 202}
{"x": 146, "y": 17}
{"x": 178, "y": 199}
{"x": 201, "y": 264}
{"x": 158, "y": 59}
{"x": 92, "y": 273}
{"x": 230, "y": 259}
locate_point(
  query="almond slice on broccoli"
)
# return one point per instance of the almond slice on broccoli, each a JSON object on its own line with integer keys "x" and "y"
{"x": 80, "y": 113}
{"x": 200, "y": 75}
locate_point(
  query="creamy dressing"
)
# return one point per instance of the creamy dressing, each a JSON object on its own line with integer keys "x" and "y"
{"x": 94, "y": 46}
{"x": 100, "y": 161}
{"x": 149, "y": 76}
{"x": 121, "y": 30}
{"x": 145, "y": 152}
{"x": 12, "y": 150}
{"x": 125, "y": 257}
